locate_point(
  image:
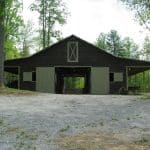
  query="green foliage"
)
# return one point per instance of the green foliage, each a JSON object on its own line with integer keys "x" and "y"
{"x": 12, "y": 23}
{"x": 141, "y": 9}
{"x": 51, "y": 13}
{"x": 65, "y": 129}
{"x": 101, "y": 41}
{"x": 74, "y": 82}
{"x": 1, "y": 121}
{"x": 141, "y": 80}
{"x": 114, "y": 44}
{"x": 146, "y": 48}
{"x": 15, "y": 91}
{"x": 10, "y": 50}
{"x": 130, "y": 48}
{"x": 2, "y": 39}
{"x": 26, "y": 39}
{"x": 146, "y": 96}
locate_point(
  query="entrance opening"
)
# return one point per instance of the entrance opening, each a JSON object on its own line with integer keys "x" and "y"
{"x": 74, "y": 85}
{"x": 72, "y": 80}
{"x": 11, "y": 76}
{"x": 139, "y": 79}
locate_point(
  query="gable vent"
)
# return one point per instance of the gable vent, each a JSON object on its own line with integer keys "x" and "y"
{"x": 72, "y": 51}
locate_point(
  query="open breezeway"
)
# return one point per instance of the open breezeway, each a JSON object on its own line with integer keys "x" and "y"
{"x": 40, "y": 121}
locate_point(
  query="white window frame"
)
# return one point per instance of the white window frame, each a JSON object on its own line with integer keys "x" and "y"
{"x": 74, "y": 51}
{"x": 116, "y": 77}
{"x": 27, "y": 76}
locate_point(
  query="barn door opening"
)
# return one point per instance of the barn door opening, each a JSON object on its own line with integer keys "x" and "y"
{"x": 72, "y": 80}
{"x": 11, "y": 76}
{"x": 73, "y": 85}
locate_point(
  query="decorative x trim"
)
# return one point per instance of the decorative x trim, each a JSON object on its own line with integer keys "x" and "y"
{"x": 72, "y": 52}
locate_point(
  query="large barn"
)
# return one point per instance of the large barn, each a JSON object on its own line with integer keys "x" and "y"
{"x": 72, "y": 57}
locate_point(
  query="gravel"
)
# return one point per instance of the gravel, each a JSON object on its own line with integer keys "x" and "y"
{"x": 36, "y": 121}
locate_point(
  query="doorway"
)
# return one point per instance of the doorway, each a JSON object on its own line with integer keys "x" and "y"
{"x": 72, "y": 80}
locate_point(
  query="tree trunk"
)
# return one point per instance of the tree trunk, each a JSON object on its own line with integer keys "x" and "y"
{"x": 2, "y": 36}
{"x": 48, "y": 34}
{"x": 43, "y": 23}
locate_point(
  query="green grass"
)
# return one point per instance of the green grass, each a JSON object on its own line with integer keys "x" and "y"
{"x": 65, "y": 129}
{"x": 1, "y": 121}
{"x": 25, "y": 140}
{"x": 146, "y": 96}
{"x": 144, "y": 140}
{"x": 6, "y": 91}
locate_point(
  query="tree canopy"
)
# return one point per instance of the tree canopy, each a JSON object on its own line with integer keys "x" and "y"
{"x": 12, "y": 23}
{"x": 51, "y": 14}
{"x": 113, "y": 43}
{"x": 141, "y": 9}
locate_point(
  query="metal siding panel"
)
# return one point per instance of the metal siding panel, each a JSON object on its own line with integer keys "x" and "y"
{"x": 118, "y": 77}
{"x": 100, "y": 80}
{"x": 27, "y": 76}
{"x": 45, "y": 79}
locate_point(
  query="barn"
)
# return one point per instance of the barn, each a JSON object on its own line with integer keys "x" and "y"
{"x": 74, "y": 58}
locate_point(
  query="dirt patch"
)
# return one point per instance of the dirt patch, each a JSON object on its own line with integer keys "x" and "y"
{"x": 96, "y": 140}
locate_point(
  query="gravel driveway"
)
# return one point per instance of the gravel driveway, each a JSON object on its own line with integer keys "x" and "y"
{"x": 36, "y": 121}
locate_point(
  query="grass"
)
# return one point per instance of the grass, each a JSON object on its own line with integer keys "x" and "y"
{"x": 114, "y": 119}
{"x": 1, "y": 121}
{"x": 146, "y": 96}
{"x": 144, "y": 140}
{"x": 128, "y": 118}
{"x": 65, "y": 129}
{"x": 25, "y": 140}
{"x": 7, "y": 91}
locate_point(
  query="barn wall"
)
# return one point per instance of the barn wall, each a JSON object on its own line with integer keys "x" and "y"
{"x": 57, "y": 56}
{"x": 45, "y": 81}
{"x": 100, "y": 80}
{"x": 116, "y": 86}
{"x": 26, "y": 85}
{"x": 113, "y": 86}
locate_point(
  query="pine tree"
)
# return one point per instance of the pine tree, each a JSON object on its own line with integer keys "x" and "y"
{"x": 51, "y": 13}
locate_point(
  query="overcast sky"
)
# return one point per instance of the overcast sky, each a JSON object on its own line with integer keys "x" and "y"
{"x": 90, "y": 17}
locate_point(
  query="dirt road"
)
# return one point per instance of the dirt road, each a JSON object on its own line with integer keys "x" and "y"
{"x": 51, "y": 122}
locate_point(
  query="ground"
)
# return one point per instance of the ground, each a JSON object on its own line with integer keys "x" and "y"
{"x": 74, "y": 122}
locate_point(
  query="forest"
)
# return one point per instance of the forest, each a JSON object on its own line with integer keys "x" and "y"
{"x": 18, "y": 37}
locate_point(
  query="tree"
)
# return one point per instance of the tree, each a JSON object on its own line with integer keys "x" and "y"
{"x": 113, "y": 43}
{"x": 26, "y": 39}
{"x": 51, "y": 13}
{"x": 146, "y": 48}
{"x": 141, "y": 9}
{"x": 130, "y": 48}
{"x": 12, "y": 23}
{"x": 101, "y": 41}
{"x": 2, "y": 37}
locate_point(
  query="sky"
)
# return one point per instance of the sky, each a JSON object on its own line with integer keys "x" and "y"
{"x": 88, "y": 18}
